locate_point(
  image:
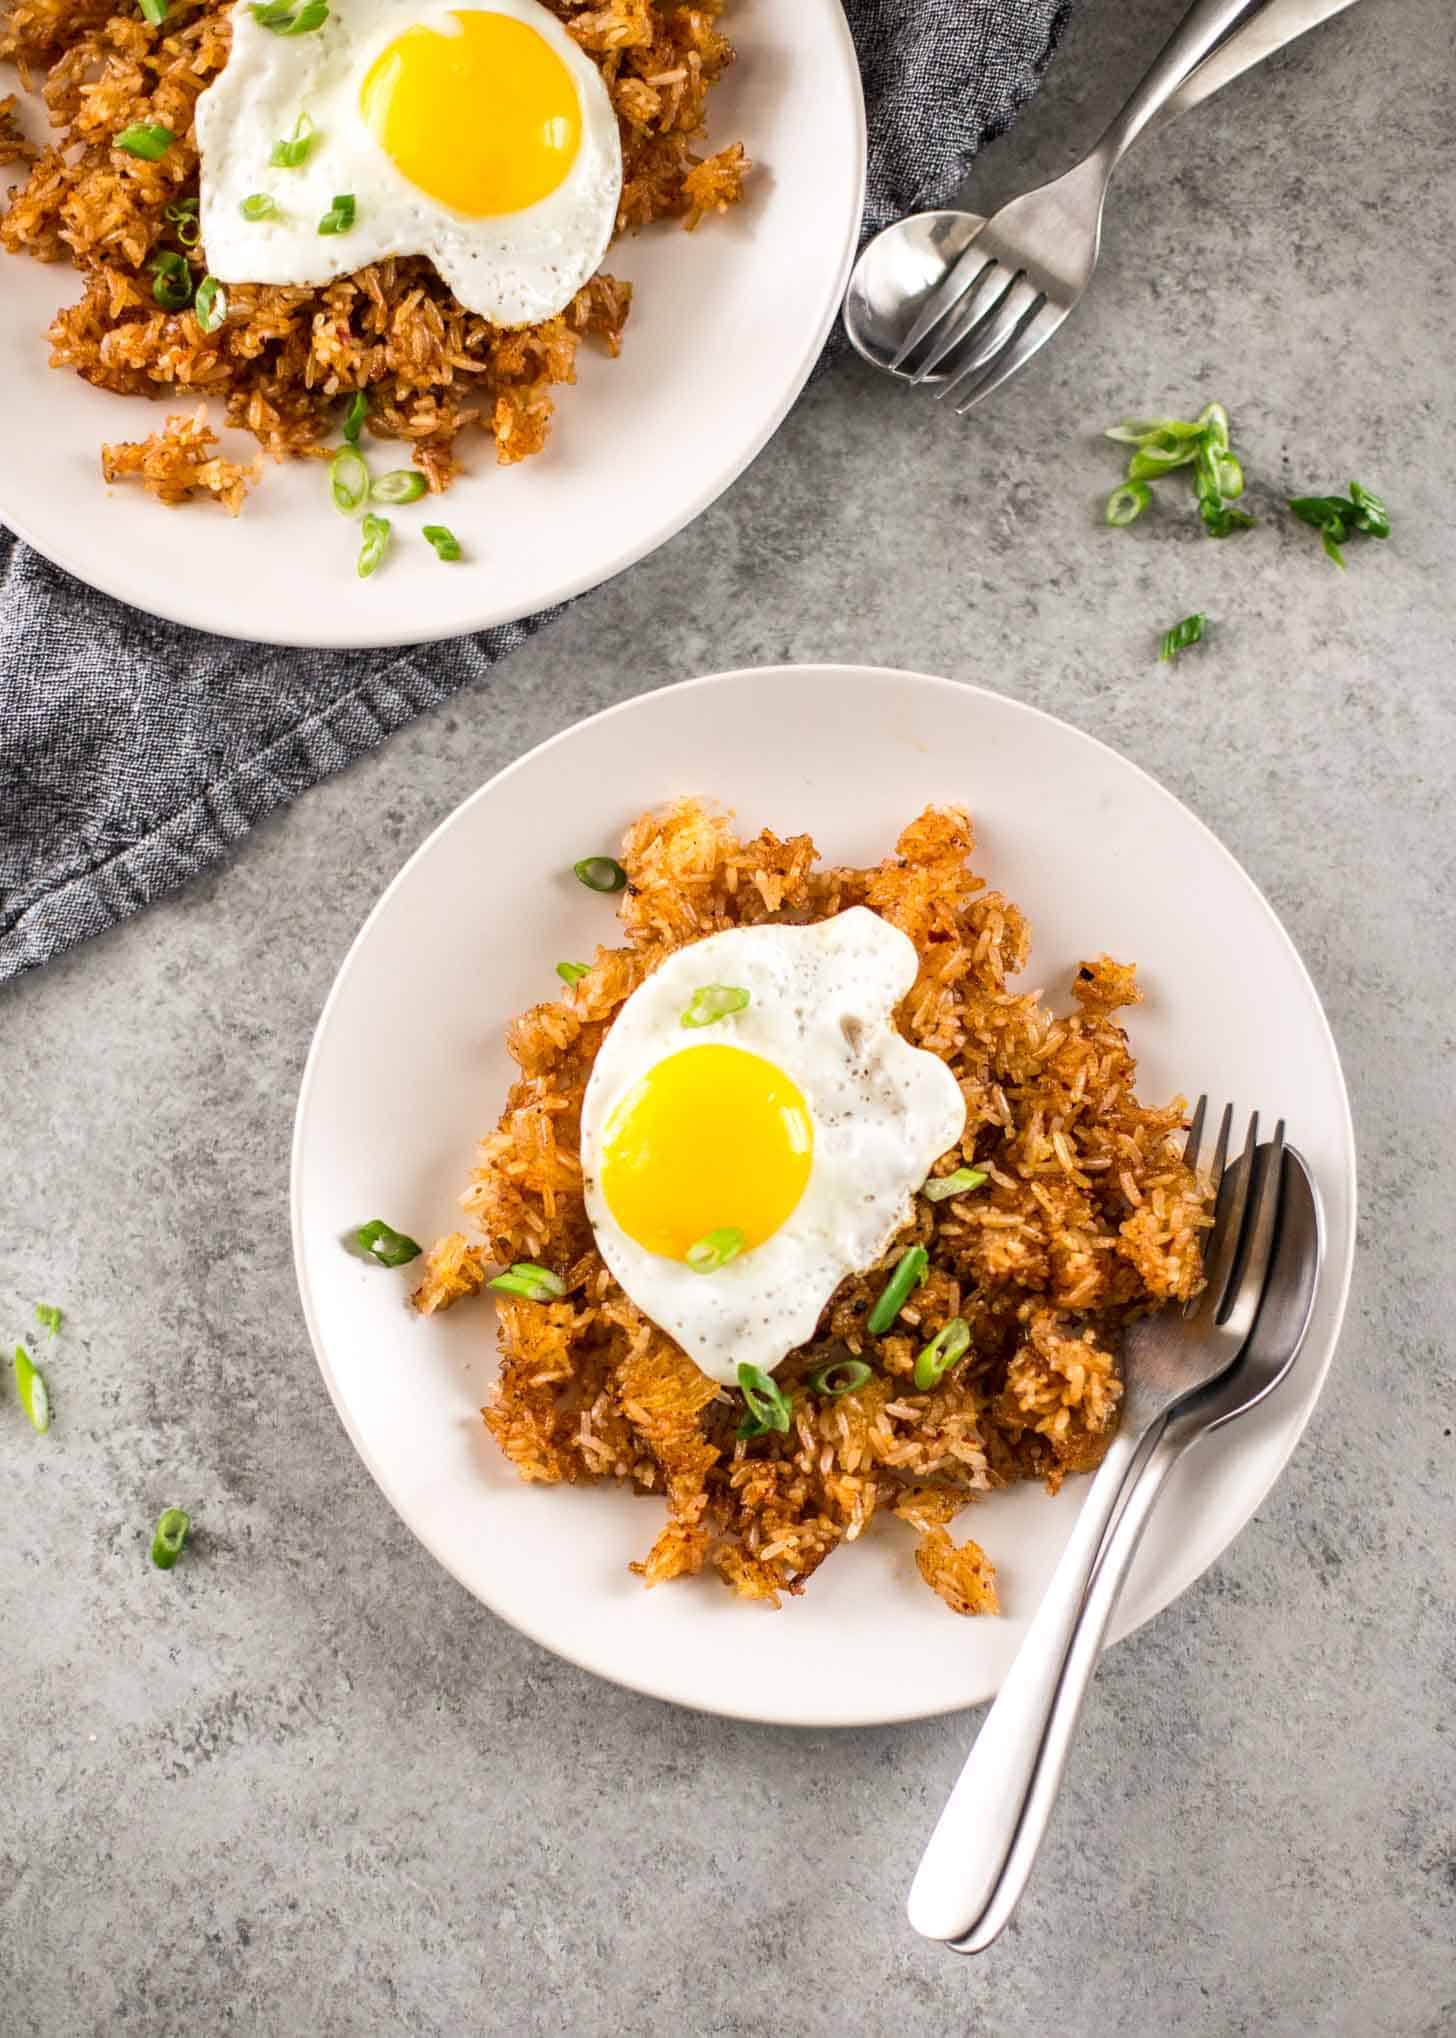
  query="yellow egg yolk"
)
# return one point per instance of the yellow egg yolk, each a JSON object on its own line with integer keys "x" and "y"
{"x": 486, "y": 121}
{"x": 711, "y": 1137}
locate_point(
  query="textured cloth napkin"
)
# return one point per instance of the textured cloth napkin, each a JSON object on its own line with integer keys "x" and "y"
{"x": 132, "y": 752}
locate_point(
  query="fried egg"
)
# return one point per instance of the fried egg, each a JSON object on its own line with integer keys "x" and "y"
{"x": 801, "y": 1120}
{"x": 480, "y": 136}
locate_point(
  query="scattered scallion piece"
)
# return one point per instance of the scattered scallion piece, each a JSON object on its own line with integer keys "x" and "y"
{"x": 375, "y": 545}
{"x": 348, "y": 480}
{"x": 382, "y": 1242}
{"x": 294, "y": 151}
{"x": 31, "y": 1387}
{"x": 180, "y": 209}
{"x": 600, "y": 873}
{"x": 285, "y": 19}
{"x": 401, "y": 484}
{"x": 1336, "y": 516}
{"x": 150, "y": 141}
{"x": 715, "y": 1249}
{"x": 210, "y": 306}
{"x": 154, "y": 11}
{"x": 1138, "y": 431}
{"x": 531, "y": 1282}
{"x": 340, "y": 215}
{"x": 841, "y": 1376}
{"x": 170, "y": 1534}
{"x": 355, "y": 415}
{"x": 940, "y": 1187}
{"x": 935, "y": 1360}
{"x": 445, "y": 542}
{"x": 258, "y": 205}
{"x": 1189, "y": 631}
{"x": 573, "y": 972}
{"x": 48, "y": 1317}
{"x": 910, "y": 1270}
{"x": 712, "y": 1002}
{"x": 768, "y": 1405}
{"x": 173, "y": 285}
{"x": 1126, "y": 504}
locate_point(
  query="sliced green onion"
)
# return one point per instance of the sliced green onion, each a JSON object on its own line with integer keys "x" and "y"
{"x": 348, "y": 480}
{"x": 910, "y": 1270}
{"x": 1147, "y": 464}
{"x": 1219, "y": 521}
{"x": 288, "y": 155}
{"x": 154, "y": 11}
{"x": 768, "y": 1405}
{"x": 936, "y": 1359}
{"x": 375, "y": 545}
{"x": 180, "y": 209}
{"x": 841, "y": 1376}
{"x": 401, "y": 484}
{"x": 532, "y": 1282}
{"x": 1230, "y": 474}
{"x": 355, "y": 415}
{"x": 31, "y": 1387}
{"x": 600, "y": 873}
{"x": 48, "y": 1316}
{"x": 340, "y": 215}
{"x": 284, "y": 19}
{"x": 1335, "y": 516}
{"x": 940, "y": 1187}
{"x": 189, "y": 232}
{"x": 712, "y": 1002}
{"x": 210, "y": 308}
{"x": 1189, "y": 631}
{"x": 1126, "y": 504}
{"x": 173, "y": 286}
{"x": 573, "y": 972}
{"x": 171, "y": 1533}
{"x": 1371, "y": 515}
{"x": 444, "y": 541}
{"x": 258, "y": 205}
{"x": 150, "y": 142}
{"x": 1138, "y": 431}
{"x": 715, "y": 1249}
{"x": 1213, "y": 422}
{"x": 382, "y": 1242}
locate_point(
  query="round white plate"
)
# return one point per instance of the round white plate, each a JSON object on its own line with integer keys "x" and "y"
{"x": 1098, "y": 855}
{"x": 726, "y": 324}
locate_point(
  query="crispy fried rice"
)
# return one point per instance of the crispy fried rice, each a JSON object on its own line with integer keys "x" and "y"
{"x": 284, "y": 357}
{"x": 1088, "y": 1218}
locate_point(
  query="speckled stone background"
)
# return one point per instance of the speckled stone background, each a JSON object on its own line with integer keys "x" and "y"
{"x": 305, "y": 1785}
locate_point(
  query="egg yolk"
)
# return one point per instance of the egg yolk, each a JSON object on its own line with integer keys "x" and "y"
{"x": 485, "y": 121}
{"x": 711, "y": 1137}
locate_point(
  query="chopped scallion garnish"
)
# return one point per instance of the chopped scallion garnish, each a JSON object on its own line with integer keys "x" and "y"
{"x": 154, "y": 11}
{"x": 445, "y": 542}
{"x": 170, "y": 1534}
{"x": 1126, "y": 504}
{"x": 841, "y": 1376}
{"x": 289, "y": 154}
{"x": 712, "y": 1002}
{"x": 573, "y": 972}
{"x": 401, "y": 484}
{"x": 258, "y": 205}
{"x": 1189, "y": 631}
{"x": 910, "y": 1270}
{"x": 1336, "y": 516}
{"x": 715, "y": 1249}
{"x": 936, "y": 1359}
{"x": 340, "y": 215}
{"x": 768, "y": 1405}
{"x": 355, "y": 415}
{"x": 600, "y": 873}
{"x": 148, "y": 140}
{"x": 940, "y": 1187}
{"x": 48, "y": 1317}
{"x": 348, "y": 480}
{"x": 31, "y": 1387}
{"x": 173, "y": 286}
{"x": 375, "y": 545}
{"x": 532, "y": 1282}
{"x": 383, "y": 1243}
{"x": 210, "y": 308}
{"x": 285, "y": 19}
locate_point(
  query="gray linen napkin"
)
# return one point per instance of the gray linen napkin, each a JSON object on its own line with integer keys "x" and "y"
{"x": 132, "y": 752}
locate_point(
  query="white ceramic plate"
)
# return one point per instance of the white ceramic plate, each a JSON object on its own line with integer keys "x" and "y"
{"x": 726, "y": 324}
{"x": 466, "y": 936}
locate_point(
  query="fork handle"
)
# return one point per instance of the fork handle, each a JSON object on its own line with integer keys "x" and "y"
{"x": 963, "y": 1864}
{"x": 1202, "y": 28}
{"x": 1077, "y": 1673}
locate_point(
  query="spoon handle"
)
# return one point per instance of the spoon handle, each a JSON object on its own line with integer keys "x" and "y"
{"x": 1202, "y": 28}
{"x": 1066, "y": 1709}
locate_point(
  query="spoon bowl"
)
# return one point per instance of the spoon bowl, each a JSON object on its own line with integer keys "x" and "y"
{"x": 893, "y": 280}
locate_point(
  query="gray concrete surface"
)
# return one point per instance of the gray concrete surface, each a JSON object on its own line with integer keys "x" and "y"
{"x": 306, "y": 1785}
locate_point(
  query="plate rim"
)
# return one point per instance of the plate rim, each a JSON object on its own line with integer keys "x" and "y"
{"x": 386, "y": 637}
{"x": 1179, "y": 1577}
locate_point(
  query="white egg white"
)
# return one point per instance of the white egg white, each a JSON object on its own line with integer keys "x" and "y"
{"x": 822, "y": 1003}
{"x": 513, "y": 268}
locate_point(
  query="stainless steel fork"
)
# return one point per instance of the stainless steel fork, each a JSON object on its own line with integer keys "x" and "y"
{"x": 1166, "y": 1359}
{"x": 1030, "y": 263}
